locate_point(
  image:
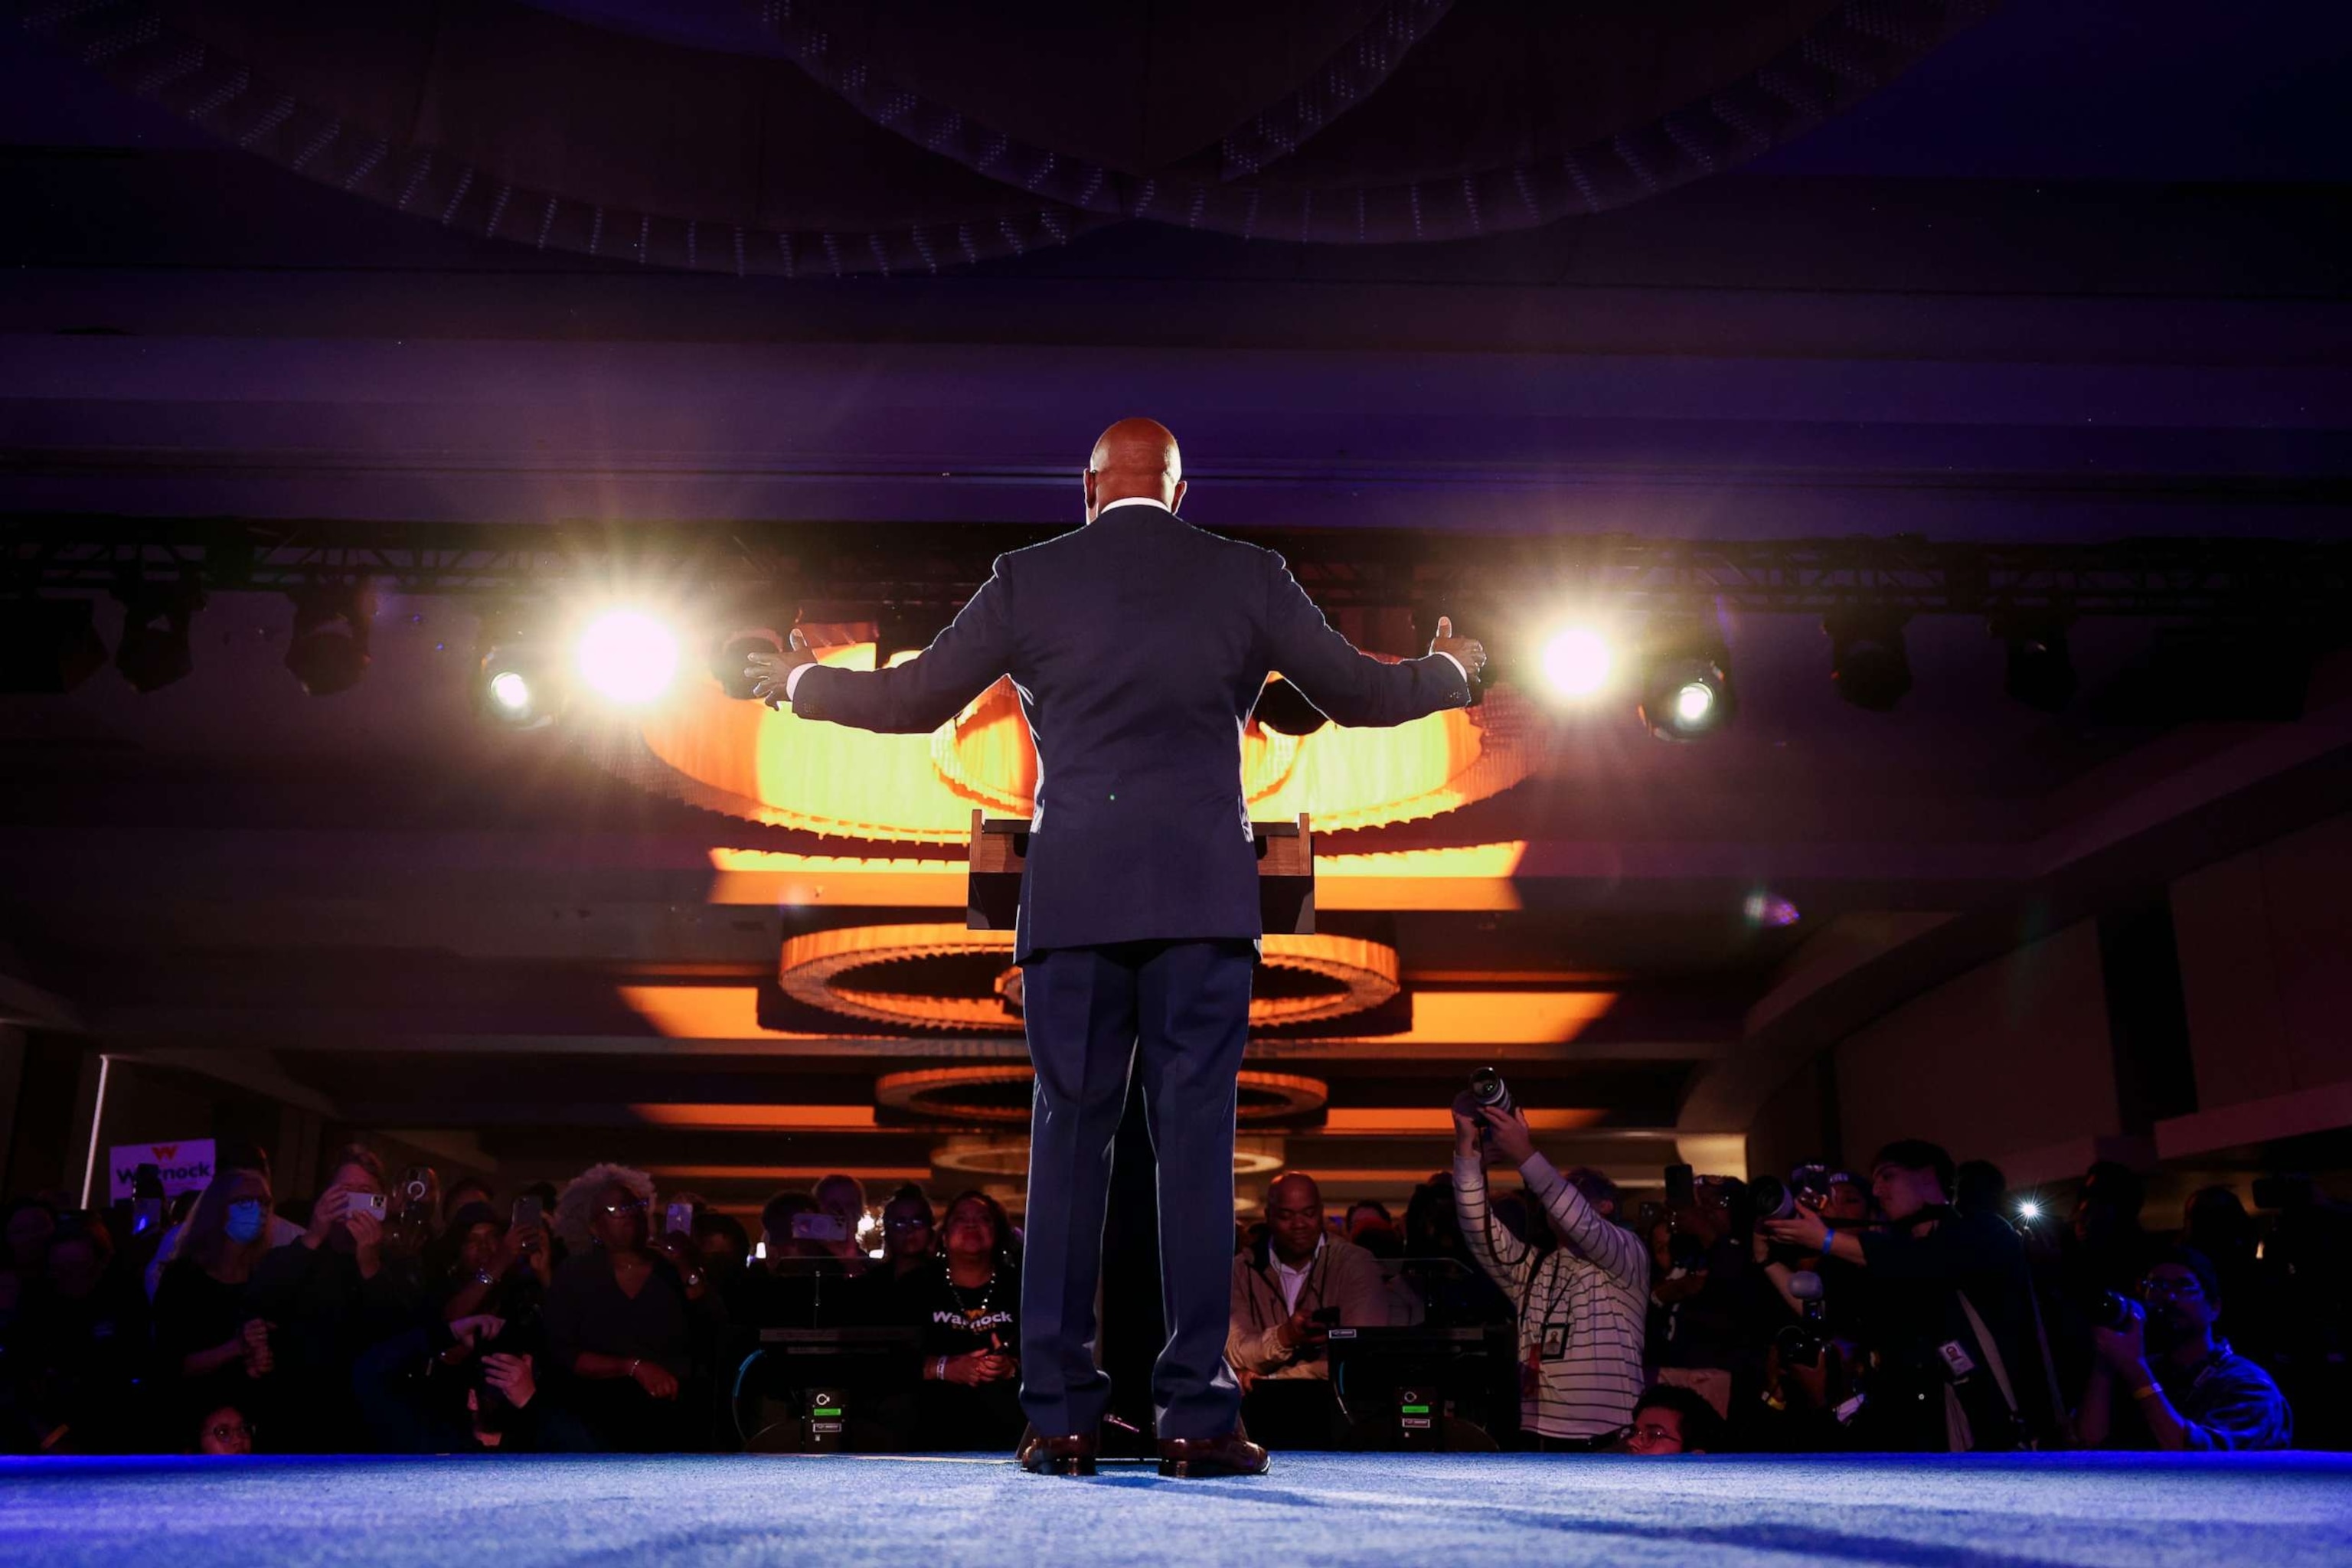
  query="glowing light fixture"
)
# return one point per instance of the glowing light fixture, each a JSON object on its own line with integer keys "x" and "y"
{"x": 1577, "y": 661}
{"x": 1686, "y": 690}
{"x": 2029, "y": 1211}
{"x": 521, "y": 684}
{"x": 628, "y": 657}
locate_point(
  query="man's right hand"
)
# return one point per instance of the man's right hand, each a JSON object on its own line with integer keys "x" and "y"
{"x": 1300, "y": 1332}
{"x": 1468, "y": 651}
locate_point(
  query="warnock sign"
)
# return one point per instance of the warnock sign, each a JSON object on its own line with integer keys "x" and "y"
{"x": 187, "y": 1166}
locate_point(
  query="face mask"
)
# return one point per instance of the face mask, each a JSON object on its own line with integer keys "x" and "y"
{"x": 243, "y": 1223}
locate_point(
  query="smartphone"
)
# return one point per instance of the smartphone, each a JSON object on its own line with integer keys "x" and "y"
{"x": 1682, "y": 1192}
{"x": 818, "y": 1225}
{"x": 527, "y": 1213}
{"x": 373, "y": 1203}
{"x": 679, "y": 1219}
{"x": 146, "y": 1215}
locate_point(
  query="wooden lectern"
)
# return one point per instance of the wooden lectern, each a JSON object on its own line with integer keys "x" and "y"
{"x": 1285, "y": 874}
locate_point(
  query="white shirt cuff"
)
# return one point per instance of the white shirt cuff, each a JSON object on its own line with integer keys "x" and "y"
{"x": 791, "y": 681}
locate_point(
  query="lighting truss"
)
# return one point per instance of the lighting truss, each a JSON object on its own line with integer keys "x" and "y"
{"x": 934, "y": 566}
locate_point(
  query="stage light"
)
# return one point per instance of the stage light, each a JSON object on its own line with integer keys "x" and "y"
{"x": 734, "y": 656}
{"x": 1685, "y": 695}
{"x": 1762, "y": 909}
{"x": 520, "y": 685}
{"x": 153, "y": 652}
{"x": 47, "y": 645}
{"x": 2041, "y": 668}
{"x": 628, "y": 657}
{"x": 1867, "y": 661}
{"x": 1575, "y": 661}
{"x": 329, "y": 651}
{"x": 1283, "y": 709}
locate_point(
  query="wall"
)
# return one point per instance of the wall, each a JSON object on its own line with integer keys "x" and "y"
{"x": 2265, "y": 942}
{"x": 2009, "y": 1062}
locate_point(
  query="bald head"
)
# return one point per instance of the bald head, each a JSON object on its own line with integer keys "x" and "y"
{"x": 1134, "y": 459}
{"x": 1294, "y": 1216}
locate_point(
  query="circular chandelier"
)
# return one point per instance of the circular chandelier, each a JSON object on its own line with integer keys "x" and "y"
{"x": 771, "y": 766}
{"x": 946, "y": 977}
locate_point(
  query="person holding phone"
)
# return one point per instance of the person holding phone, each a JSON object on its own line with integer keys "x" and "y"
{"x": 494, "y": 1265}
{"x": 331, "y": 1295}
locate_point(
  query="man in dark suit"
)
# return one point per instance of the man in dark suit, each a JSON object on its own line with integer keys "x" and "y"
{"x": 1138, "y": 646}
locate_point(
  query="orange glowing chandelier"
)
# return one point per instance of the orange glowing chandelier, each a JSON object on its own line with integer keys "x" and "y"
{"x": 772, "y": 766}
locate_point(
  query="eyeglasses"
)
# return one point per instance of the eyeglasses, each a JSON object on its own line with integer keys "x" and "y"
{"x": 225, "y": 1431}
{"x": 1656, "y": 1434}
{"x": 904, "y": 1225}
{"x": 635, "y": 1206}
{"x": 2174, "y": 1290}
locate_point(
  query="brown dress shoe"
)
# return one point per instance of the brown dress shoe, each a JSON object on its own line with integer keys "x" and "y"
{"x": 1230, "y": 1455}
{"x": 1042, "y": 1456}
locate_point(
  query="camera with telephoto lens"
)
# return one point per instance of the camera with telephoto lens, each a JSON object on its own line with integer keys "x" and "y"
{"x": 1800, "y": 1343}
{"x": 1488, "y": 1089}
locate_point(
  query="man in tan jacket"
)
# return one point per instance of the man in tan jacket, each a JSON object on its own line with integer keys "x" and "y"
{"x": 1299, "y": 1273}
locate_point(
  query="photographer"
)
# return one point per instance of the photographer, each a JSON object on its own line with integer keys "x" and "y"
{"x": 1961, "y": 1362}
{"x": 464, "y": 1386}
{"x": 1714, "y": 1306}
{"x": 1581, "y": 1305}
{"x": 2198, "y": 1395}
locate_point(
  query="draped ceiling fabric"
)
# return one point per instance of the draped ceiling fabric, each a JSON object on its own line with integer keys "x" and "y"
{"x": 836, "y": 136}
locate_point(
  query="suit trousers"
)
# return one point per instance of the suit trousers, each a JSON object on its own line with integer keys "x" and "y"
{"x": 1178, "y": 1013}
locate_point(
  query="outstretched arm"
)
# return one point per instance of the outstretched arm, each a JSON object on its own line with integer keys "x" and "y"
{"x": 1346, "y": 684}
{"x": 918, "y": 696}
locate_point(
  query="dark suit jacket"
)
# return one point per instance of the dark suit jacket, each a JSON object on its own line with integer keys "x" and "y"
{"x": 1139, "y": 645}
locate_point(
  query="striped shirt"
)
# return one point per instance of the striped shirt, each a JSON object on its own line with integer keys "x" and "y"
{"x": 1595, "y": 1289}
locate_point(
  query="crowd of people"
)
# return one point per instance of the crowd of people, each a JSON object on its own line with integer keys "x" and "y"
{"x": 1913, "y": 1306}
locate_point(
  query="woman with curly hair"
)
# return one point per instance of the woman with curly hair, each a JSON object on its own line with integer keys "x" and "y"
{"x": 621, "y": 1317}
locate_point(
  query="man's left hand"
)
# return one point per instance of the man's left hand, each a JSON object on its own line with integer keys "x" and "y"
{"x": 771, "y": 674}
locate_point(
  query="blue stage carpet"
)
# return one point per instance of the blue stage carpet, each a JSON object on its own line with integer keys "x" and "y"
{"x": 1315, "y": 1509}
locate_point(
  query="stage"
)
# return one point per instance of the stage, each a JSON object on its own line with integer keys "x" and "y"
{"x": 1314, "y": 1509}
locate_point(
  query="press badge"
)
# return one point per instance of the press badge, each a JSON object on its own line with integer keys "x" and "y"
{"x": 1957, "y": 1361}
{"x": 1555, "y": 1341}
